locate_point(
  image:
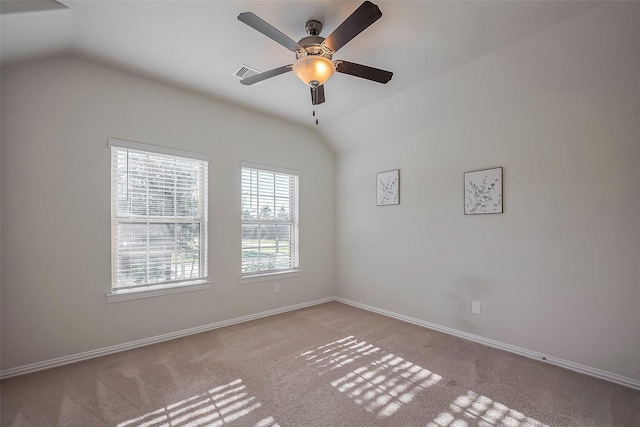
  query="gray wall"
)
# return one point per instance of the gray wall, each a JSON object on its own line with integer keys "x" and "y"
{"x": 56, "y": 118}
{"x": 559, "y": 272}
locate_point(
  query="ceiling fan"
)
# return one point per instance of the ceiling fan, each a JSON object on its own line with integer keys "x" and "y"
{"x": 314, "y": 65}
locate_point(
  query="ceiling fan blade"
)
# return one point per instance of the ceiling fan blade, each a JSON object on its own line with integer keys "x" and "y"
{"x": 267, "y": 75}
{"x": 317, "y": 95}
{"x": 268, "y": 30}
{"x": 363, "y": 71}
{"x": 358, "y": 21}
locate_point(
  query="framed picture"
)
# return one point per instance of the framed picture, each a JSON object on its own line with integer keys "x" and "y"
{"x": 483, "y": 192}
{"x": 388, "y": 188}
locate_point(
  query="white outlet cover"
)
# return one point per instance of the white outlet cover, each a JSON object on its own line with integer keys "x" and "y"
{"x": 476, "y": 307}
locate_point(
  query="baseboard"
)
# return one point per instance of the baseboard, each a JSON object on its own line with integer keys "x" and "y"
{"x": 53, "y": 363}
{"x": 60, "y": 361}
{"x": 594, "y": 372}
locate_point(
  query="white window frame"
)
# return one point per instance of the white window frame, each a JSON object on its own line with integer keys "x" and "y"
{"x": 293, "y": 222}
{"x": 119, "y": 293}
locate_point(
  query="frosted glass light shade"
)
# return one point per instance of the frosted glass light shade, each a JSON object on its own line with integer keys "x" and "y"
{"x": 313, "y": 68}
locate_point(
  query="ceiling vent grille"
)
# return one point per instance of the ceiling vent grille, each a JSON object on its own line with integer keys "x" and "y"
{"x": 244, "y": 71}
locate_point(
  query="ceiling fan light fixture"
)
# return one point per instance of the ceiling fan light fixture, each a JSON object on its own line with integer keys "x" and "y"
{"x": 314, "y": 68}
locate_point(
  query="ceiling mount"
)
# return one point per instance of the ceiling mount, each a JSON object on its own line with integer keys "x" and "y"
{"x": 313, "y": 27}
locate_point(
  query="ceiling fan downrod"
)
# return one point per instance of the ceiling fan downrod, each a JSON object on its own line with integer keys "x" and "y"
{"x": 313, "y": 27}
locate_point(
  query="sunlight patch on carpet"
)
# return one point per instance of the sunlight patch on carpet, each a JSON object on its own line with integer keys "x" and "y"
{"x": 475, "y": 409}
{"x": 381, "y": 386}
{"x": 216, "y": 407}
{"x": 267, "y": 422}
{"x": 339, "y": 353}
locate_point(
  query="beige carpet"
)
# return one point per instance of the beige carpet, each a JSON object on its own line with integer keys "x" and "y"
{"x": 328, "y": 365}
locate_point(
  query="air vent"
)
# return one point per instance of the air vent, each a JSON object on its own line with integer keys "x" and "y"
{"x": 244, "y": 71}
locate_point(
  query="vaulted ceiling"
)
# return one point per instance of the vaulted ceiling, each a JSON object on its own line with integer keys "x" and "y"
{"x": 199, "y": 45}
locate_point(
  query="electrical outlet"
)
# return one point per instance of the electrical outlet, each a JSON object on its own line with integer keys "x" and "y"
{"x": 277, "y": 287}
{"x": 476, "y": 307}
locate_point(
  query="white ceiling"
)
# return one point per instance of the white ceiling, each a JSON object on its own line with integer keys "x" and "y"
{"x": 199, "y": 44}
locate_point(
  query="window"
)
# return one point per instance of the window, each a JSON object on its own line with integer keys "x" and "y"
{"x": 158, "y": 217}
{"x": 269, "y": 220}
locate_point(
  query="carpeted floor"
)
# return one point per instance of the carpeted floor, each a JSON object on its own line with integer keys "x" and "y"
{"x": 327, "y": 365}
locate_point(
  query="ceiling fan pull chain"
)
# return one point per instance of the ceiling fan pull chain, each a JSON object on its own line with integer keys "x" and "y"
{"x": 315, "y": 113}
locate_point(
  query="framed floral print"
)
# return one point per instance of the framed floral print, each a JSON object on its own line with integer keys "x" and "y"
{"x": 483, "y": 191}
{"x": 388, "y": 188}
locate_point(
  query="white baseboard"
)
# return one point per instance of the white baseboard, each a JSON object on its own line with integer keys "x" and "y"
{"x": 60, "y": 361}
{"x": 594, "y": 372}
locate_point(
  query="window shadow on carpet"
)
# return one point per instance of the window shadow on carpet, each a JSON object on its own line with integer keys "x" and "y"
{"x": 216, "y": 407}
{"x": 382, "y": 383}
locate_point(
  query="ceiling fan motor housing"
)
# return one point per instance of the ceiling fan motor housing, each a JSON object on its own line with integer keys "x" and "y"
{"x": 312, "y": 44}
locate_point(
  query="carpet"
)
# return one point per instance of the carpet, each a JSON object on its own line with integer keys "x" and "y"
{"x": 326, "y": 365}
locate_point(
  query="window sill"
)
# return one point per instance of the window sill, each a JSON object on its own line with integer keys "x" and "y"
{"x": 157, "y": 290}
{"x": 269, "y": 276}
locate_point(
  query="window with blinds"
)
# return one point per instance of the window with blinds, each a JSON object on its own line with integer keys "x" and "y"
{"x": 270, "y": 242}
{"x": 158, "y": 216}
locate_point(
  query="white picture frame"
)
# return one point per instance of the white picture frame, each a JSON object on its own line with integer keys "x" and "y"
{"x": 483, "y": 192}
{"x": 388, "y": 188}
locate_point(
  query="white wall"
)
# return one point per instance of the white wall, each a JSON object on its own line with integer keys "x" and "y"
{"x": 56, "y": 118}
{"x": 559, "y": 271}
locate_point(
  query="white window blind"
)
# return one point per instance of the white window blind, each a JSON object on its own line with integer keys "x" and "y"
{"x": 270, "y": 237}
{"x": 159, "y": 216}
